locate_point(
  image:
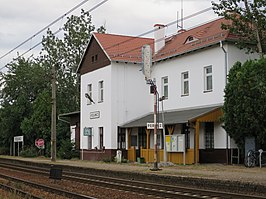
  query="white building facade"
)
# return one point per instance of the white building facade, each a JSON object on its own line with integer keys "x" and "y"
{"x": 189, "y": 70}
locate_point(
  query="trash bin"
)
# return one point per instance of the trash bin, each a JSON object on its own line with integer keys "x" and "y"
{"x": 56, "y": 172}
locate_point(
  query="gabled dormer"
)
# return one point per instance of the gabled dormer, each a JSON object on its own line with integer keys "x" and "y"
{"x": 190, "y": 39}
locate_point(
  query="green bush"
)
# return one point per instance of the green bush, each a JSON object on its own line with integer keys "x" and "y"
{"x": 67, "y": 151}
{"x": 108, "y": 159}
{"x": 4, "y": 151}
{"x": 29, "y": 152}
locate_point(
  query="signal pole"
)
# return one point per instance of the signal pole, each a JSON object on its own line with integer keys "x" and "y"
{"x": 146, "y": 70}
{"x": 53, "y": 116}
{"x": 155, "y": 164}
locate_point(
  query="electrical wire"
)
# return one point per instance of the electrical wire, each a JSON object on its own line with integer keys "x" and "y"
{"x": 40, "y": 31}
{"x": 153, "y": 30}
{"x": 132, "y": 38}
{"x": 150, "y": 31}
{"x": 52, "y": 23}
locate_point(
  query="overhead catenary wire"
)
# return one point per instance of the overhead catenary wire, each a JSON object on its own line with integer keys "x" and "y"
{"x": 46, "y": 27}
{"x": 153, "y": 30}
{"x": 121, "y": 54}
{"x": 132, "y": 38}
{"x": 52, "y": 23}
{"x": 150, "y": 31}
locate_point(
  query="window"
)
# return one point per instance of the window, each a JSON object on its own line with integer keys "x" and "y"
{"x": 165, "y": 87}
{"x": 185, "y": 130}
{"x": 134, "y": 140}
{"x": 88, "y": 133}
{"x": 121, "y": 138}
{"x": 101, "y": 137}
{"x": 142, "y": 137}
{"x": 89, "y": 142}
{"x": 89, "y": 91}
{"x": 100, "y": 98}
{"x": 209, "y": 135}
{"x": 185, "y": 83}
{"x": 208, "y": 78}
{"x": 94, "y": 58}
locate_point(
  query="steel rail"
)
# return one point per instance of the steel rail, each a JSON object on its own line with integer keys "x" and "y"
{"x": 18, "y": 191}
{"x": 47, "y": 188}
{"x": 137, "y": 186}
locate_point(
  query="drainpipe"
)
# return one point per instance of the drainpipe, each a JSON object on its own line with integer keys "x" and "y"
{"x": 225, "y": 75}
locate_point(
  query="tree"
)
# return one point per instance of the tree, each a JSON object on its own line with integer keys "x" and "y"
{"x": 26, "y": 94}
{"x": 22, "y": 85}
{"x": 248, "y": 22}
{"x": 244, "y": 106}
{"x": 66, "y": 53}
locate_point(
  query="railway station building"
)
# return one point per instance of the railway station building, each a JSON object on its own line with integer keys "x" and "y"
{"x": 189, "y": 69}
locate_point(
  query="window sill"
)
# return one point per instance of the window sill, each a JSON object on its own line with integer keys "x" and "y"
{"x": 100, "y": 102}
{"x": 207, "y": 91}
{"x": 184, "y": 95}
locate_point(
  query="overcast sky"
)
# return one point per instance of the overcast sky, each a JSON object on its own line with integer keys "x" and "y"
{"x": 21, "y": 19}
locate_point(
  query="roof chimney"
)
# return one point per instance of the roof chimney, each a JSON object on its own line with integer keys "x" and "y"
{"x": 159, "y": 37}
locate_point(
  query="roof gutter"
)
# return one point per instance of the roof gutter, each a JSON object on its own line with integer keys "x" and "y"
{"x": 189, "y": 51}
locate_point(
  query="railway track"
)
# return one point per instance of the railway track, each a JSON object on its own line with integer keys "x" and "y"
{"x": 19, "y": 192}
{"x": 146, "y": 188}
{"x": 39, "y": 186}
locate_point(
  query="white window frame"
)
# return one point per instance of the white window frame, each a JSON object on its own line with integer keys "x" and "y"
{"x": 207, "y": 75}
{"x": 100, "y": 91}
{"x": 184, "y": 80}
{"x": 165, "y": 86}
{"x": 89, "y": 91}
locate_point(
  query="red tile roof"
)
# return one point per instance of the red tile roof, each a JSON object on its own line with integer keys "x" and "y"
{"x": 204, "y": 35}
{"x": 123, "y": 48}
{"x": 128, "y": 49}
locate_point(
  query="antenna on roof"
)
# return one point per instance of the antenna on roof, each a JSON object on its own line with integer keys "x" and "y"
{"x": 177, "y": 22}
{"x": 182, "y": 15}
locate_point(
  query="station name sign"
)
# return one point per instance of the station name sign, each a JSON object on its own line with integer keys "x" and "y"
{"x": 95, "y": 115}
{"x": 151, "y": 125}
{"x": 18, "y": 138}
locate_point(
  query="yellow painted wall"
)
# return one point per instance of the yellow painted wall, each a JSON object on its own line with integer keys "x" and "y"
{"x": 174, "y": 157}
{"x": 131, "y": 154}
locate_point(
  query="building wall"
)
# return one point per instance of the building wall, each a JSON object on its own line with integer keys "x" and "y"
{"x": 127, "y": 96}
{"x": 234, "y": 55}
{"x": 104, "y": 108}
{"x": 194, "y": 63}
{"x": 130, "y": 95}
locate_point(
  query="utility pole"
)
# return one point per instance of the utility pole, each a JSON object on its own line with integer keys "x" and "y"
{"x": 53, "y": 116}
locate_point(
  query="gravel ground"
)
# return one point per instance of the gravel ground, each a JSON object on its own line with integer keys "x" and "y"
{"x": 208, "y": 171}
{"x": 89, "y": 190}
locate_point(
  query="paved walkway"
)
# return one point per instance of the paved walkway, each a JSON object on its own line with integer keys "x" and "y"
{"x": 209, "y": 171}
